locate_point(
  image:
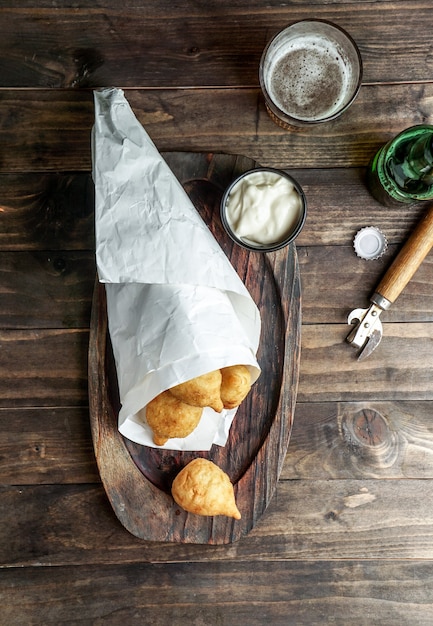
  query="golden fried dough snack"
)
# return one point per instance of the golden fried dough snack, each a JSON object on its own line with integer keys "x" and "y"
{"x": 175, "y": 413}
{"x": 201, "y": 391}
{"x": 168, "y": 417}
{"x": 235, "y": 385}
{"x": 202, "y": 487}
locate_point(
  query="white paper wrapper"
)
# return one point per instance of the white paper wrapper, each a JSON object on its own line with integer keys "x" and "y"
{"x": 176, "y": 307}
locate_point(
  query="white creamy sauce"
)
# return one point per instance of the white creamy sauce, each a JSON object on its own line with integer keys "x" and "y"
{"x": 263, "y": 208}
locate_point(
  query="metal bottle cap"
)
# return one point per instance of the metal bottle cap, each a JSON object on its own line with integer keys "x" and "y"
{"x": 370, "y": 243}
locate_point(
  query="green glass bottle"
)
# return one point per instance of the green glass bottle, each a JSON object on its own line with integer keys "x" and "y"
{"x": 402, "y": 170}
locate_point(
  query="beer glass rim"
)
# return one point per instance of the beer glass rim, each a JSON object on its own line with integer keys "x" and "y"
{"x": 283, "y": 116}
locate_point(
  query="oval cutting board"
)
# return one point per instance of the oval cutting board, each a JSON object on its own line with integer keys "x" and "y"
{"x": 137, "y": 478}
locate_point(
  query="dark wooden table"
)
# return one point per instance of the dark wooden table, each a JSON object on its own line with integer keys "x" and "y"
{"x": 348, "y": 536}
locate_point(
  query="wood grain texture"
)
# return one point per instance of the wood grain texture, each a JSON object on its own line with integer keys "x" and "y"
{"x": 43, "y": 367}
{"x": 49, "y": 130}
{"x": 101, "y": 46}
{"x": 56, "y": 211}
{"x": 366, "y": 439}
{"x": 154, "y": 8}
{"x": 401, "y": 367}
{"x": 287, "y": 594}
{"x": 46, "y": 446}
{"x": 46, "y": 289}
{"x": 49, "y": 211}
{"x": 333, "y": 440}
{"x": 335, "y": 281}
{"x": 313, "y": 520}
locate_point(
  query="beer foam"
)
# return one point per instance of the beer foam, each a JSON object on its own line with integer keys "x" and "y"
{"x": 309, "y": 79}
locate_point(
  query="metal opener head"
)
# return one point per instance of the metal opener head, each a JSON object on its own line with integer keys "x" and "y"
{"x": 367, "y": 333}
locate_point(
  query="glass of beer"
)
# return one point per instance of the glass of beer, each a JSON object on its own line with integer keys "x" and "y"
{"x": 310, "y": 72}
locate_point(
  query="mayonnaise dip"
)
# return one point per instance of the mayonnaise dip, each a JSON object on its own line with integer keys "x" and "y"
{"x": 263, "y": 208}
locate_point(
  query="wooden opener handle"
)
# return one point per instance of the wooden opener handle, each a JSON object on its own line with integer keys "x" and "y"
{"x": 408, "y": 259}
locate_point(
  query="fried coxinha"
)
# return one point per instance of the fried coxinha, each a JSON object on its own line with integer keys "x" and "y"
{"x": 176, "y": 412}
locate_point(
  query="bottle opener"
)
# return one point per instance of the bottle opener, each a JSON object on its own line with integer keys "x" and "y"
{"x": 367, "y": 333}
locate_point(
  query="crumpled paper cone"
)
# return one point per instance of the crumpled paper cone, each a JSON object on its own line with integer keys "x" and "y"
{"x": 176, "y": 307}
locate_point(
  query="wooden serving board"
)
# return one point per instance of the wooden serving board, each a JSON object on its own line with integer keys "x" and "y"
{"x": 137, "y": 478}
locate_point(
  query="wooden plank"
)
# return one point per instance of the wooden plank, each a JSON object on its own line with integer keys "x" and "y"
{"x": 49, "y": 130}
{"x": 47, "y": 211}
{"x": 334, "y": 440}
{"x": 318, "y": 520}
{"x": 43, "y": 368}
{"x": 55, "y": 212}
{"x": 329, "y": 440}
{"x": 281, "y": 593}
{"x": 46, "y": 289}
{"x": 53, "y": 289}
{"x": 401, "y": 367}
{"x": 335, "y": 281}
{"x": 155, "y": 9}
{"x": 360, "y": 440}
{"x": 45, "y": 446}
{"x": 339, "y": 204}
{"x": 194, "y": 46}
